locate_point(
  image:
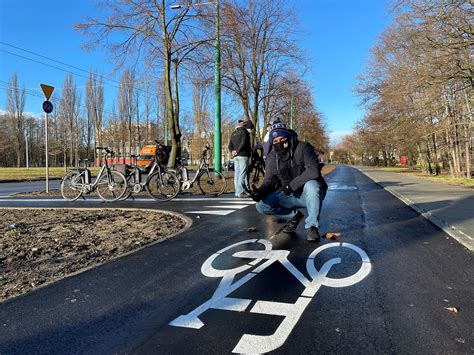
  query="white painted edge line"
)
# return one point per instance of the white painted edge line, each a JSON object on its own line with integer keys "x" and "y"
{"x": 461, "y": 237}
{"x": 214, "y": 199}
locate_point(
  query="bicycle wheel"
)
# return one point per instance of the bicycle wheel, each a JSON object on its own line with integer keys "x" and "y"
{"x": 112, "y": 187}
{"x": 163, "y": 186}
{"x": 211, "y": 183}
{"x": 72, "y": 185}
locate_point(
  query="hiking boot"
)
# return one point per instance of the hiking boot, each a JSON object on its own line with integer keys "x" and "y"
{"x": 312, "y": 234}
{"x": 293, "y": 223}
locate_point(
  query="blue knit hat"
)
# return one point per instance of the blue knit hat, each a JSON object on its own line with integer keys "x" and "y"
{"x": 281, "y": 133}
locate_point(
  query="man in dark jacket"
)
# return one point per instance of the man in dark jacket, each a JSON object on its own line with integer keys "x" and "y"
{"x": 292, "y": 180}
{"x": 239, "y": 146}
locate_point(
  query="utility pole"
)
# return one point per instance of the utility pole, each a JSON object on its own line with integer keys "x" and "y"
{"x": 217, "y": 91}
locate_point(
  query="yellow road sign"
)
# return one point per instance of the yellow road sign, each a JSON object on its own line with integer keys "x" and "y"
{"x": 47, "y": 90}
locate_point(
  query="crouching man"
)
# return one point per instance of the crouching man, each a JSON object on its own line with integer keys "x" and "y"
{"x": 292, "y": 180}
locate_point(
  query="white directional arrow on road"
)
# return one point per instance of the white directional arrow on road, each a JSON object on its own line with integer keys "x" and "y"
{"x": 230, "y": 206}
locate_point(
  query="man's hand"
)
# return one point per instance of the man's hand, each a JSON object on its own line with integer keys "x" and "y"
{"x": 287, "y": 190}
{"x": 256, "y": 194}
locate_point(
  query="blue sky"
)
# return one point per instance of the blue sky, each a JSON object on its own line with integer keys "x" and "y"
{"x": 339, "y": 37}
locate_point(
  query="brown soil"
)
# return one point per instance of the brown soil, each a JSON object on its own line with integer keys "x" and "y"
{"x": 38, "y": 246}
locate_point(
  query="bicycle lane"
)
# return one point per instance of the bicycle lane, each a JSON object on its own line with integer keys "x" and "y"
{"x": 416, "y": 273}
{"x": 127, "y": 305}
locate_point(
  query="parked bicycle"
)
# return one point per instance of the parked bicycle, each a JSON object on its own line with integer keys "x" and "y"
{"x": 110, "y": 185}
{"x": 161, "y": 183}
{"x": 257, "y": 164}
{"x": 210, "y": 182}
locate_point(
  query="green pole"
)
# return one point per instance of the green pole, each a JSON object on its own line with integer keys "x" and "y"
{"x": 217, "y": 98}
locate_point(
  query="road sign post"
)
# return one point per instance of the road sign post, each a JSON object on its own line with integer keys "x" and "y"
{"x": 47, "y": 108}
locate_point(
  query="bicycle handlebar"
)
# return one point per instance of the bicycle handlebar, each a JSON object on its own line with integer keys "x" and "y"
{"x": 107, "y": 150}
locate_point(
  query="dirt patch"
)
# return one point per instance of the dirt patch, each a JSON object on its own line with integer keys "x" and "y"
{"x": 38, "y": 246}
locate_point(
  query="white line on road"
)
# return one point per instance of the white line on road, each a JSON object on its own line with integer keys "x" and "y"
{"x": 216, "y": 212}
{"x": 231, "y": 206}
{"x": 200, "y": 199}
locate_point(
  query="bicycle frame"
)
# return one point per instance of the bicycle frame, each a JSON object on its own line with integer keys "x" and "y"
{"x": 156, "y": 166}
{"x": 91, "y": 185}
{"x": 203, "y": 166}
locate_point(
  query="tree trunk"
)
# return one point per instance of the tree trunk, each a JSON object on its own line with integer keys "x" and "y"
{"x": 467, "y": 137}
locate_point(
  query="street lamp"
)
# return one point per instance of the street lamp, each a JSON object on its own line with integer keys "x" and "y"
{"x": 217, "y": 84}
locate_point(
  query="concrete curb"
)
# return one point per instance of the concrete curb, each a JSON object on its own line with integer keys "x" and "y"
{"x": 466, "y": 240}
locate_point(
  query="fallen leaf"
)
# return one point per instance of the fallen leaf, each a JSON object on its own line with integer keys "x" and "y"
{"x": 332, "y": 235}
{"x": 452, "y": 309}
{"x": 252, "y": 229}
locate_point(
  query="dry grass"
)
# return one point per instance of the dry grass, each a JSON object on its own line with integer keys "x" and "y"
{"x": 443, "y": 178}
{"x": 31, "y": 174}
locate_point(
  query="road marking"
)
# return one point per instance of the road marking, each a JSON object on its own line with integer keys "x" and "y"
{"x": 251, "y": 343}
{"x": 223, "y": 207}
{"x": 216, "y": 212}
{"x": 214, "y": 199}
{"x": 231, "y": 206}
{"x": 35, "y": 200}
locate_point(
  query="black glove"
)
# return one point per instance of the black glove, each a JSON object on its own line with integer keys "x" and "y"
{"x": 287, "y": 190}
{"x": 256, "y": 194}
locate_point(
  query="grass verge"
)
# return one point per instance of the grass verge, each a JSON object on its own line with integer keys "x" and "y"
{"x": 32, "y": 174}
{"x": 443, "y": 178}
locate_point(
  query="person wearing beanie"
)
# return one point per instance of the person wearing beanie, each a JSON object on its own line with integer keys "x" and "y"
{"x": 240, "y": 148}
{"x": 292, "y": 180}
{"x": 267, "y": 143}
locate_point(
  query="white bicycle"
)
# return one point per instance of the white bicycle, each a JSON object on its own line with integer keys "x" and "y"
{"x": 262, "y": 259}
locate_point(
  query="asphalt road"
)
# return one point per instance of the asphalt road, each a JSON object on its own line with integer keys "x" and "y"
{"x": 8, "y": 188}
{"x": 399, "y": 274}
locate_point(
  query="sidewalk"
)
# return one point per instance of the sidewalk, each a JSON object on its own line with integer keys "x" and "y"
{"x": 449, "y": 207}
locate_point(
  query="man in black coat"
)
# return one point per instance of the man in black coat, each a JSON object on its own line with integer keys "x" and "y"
{"x": 240, "y": 148}
{"x": 292, "y": 180}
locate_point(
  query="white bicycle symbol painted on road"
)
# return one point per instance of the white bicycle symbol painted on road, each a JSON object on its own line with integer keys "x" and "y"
{"x": 291, "y": 312}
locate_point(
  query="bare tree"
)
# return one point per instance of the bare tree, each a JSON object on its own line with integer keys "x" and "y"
{"x": 141, "y": 31}
{"x": 69, "y": 115}
{"x": 95, "y": 108}
{"x": 420, "y": 81}
{"x": 258, "y": 43}
{"x": 126, "y": 108}
{"x": 16, "y": 121}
